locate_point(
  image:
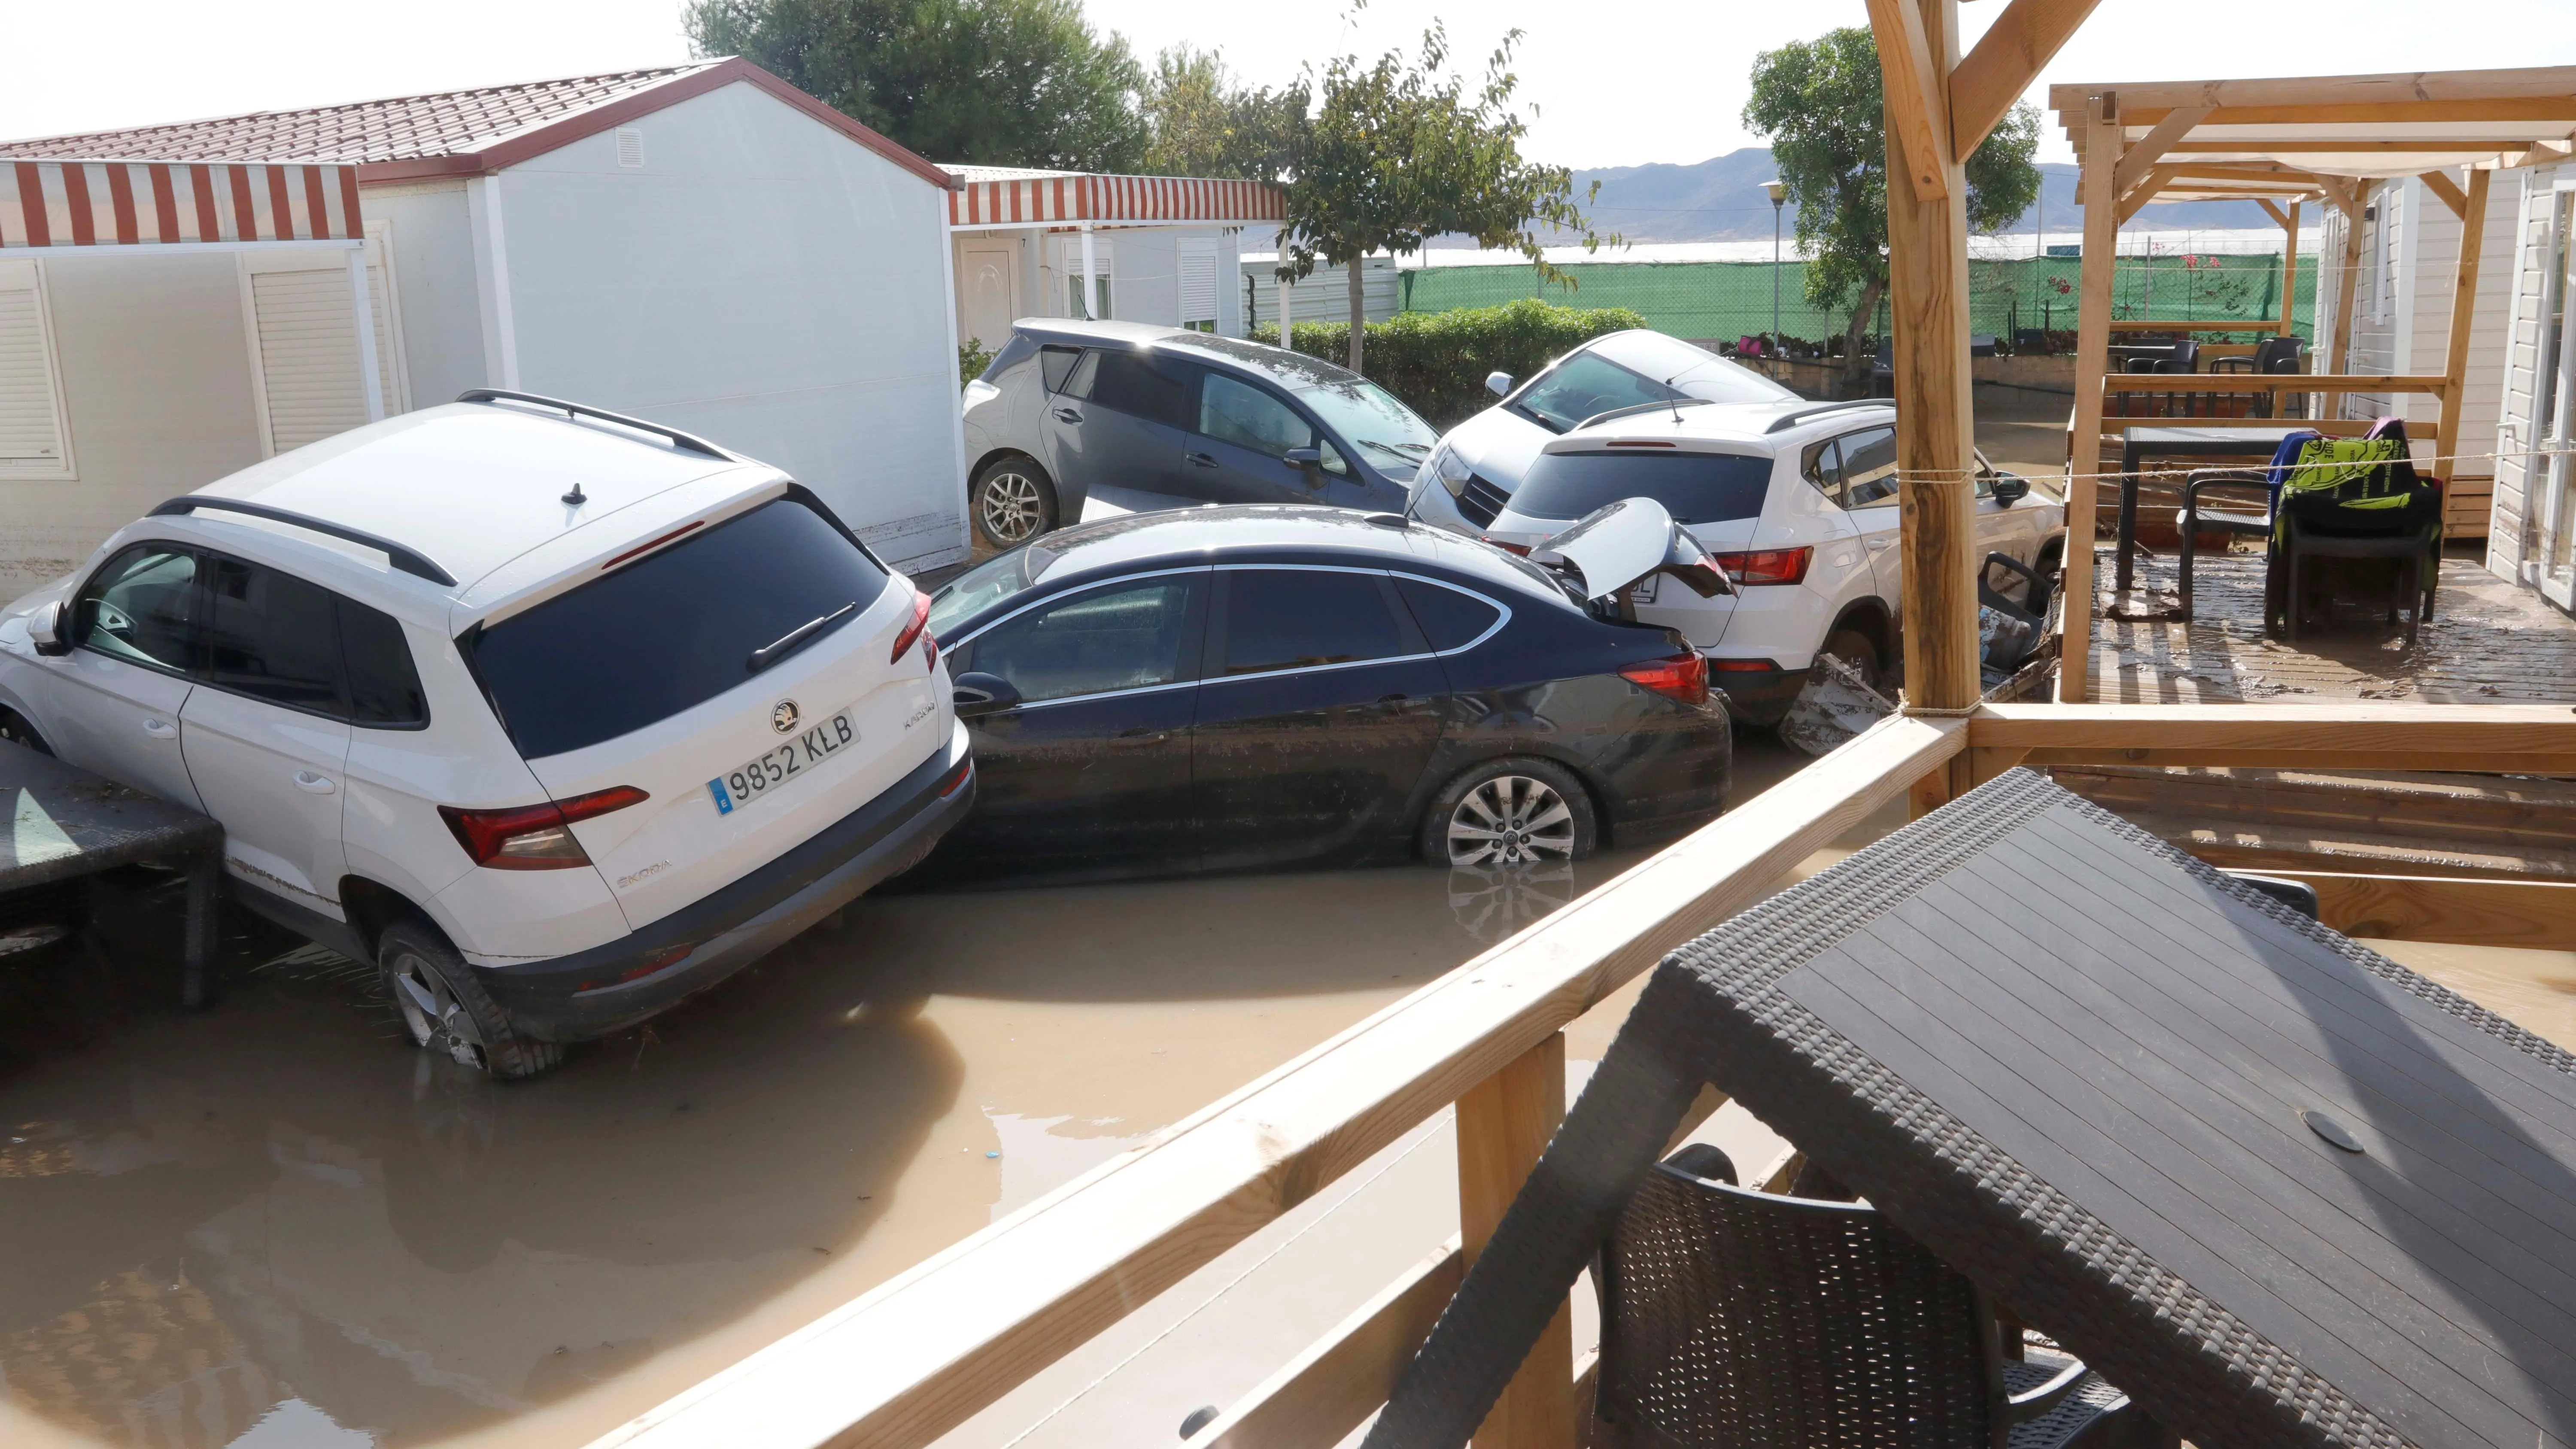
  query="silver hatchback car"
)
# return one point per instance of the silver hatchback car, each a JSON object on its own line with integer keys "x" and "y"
{"x": 1069, "y": 406}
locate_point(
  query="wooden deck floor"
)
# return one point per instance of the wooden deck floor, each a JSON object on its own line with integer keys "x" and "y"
{"x": 2488, "y": 642}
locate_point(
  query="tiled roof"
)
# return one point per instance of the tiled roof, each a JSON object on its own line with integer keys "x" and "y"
{"x": 404, "y": 128}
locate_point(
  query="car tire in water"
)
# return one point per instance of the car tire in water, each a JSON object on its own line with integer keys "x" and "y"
{"x": 1514, "y": 811}
{"x": 15, "y": 729}
{"x": 1013, "y": 501}
{"x": 445, "y": 1009}
{"x": 1854, "y": 648}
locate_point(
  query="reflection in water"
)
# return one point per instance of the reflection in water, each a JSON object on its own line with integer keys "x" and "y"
{"x": 1492, "y": 903}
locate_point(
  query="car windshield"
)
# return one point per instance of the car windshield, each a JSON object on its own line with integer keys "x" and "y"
{"x": 1369, "y": 416}
{"x": 983, "y": 586}
{"x": 1692, "y": 487}
{"x": 1628, "y": 369}
{"x": 672, "y": 630}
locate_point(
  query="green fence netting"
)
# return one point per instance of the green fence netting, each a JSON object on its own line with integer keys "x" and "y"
{"x": 1723, "y": 301}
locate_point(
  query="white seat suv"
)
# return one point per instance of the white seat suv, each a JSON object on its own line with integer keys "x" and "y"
{"x": 1796, "y": 501}
{"x": 556, "y": 716}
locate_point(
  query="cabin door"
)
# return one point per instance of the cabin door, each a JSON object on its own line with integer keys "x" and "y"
{"x": 2550, "y": 557}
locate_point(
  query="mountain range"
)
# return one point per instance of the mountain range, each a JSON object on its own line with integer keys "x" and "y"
{"x": 1721, "y": 199}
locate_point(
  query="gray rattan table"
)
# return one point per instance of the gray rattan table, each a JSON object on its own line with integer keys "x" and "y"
{"x": 66, "y": 823}
{"x": 2118, "y": 1090}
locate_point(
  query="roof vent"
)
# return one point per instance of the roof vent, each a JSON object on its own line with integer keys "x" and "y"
{"x": 630, "y": 147}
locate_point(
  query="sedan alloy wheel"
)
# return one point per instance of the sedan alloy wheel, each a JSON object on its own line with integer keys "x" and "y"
{"x": 1011, "y": 506}
{"x": 1511, "y": 820}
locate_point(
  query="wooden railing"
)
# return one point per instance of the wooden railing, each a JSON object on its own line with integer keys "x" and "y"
{"x": 903, "y": 1364}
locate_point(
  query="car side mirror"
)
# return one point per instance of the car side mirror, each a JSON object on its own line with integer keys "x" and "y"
{"x": 976, "y": 694}
{"x": 2010, "y": 488}
{"x": 45, "y": 629}
{"x": 1499, "y": 383}
{"x": 1309, "y": 459}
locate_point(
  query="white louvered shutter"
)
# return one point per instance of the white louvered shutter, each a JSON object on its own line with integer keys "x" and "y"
{"x": 1198, "y": 279}
{"x": 31, "y": 419}
{"x": 308, "y": 355}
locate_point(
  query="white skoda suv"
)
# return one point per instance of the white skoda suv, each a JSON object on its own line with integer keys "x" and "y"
{"x": 557, "y": 716}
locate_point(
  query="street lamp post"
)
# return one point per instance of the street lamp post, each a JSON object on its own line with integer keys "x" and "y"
{"x": 1779, "y": 193}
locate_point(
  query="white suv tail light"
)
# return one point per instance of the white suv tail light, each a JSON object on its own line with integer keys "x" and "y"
{"x": 534, "y": 837}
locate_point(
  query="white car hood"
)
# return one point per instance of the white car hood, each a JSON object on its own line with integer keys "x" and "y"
{"x": 1499, "y": 445}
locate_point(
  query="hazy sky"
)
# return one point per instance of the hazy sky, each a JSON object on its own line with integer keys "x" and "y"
{"x": 1617, "y": 84}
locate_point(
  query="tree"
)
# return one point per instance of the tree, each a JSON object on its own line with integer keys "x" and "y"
{"x": 984, "y": 82}
{"x": 1205, "y": 124}
{"x": 1820, "y": 105}
{"x": 1396, "y": 154}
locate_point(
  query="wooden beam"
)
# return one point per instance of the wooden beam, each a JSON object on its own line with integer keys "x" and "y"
{"x": 2144, "y": 152}
{"x": 2253, "y": 147}
{"x": 2145, "y": 191}
{"x": 2306, "y": 382}
{"x": 2289, "y": 270}
{"x": 2356, "y": 206}
{"x": 1340, "y": 1379}
{"x": 914, "y": 1357}
{"x": 1503, "y": 1125}
{"x": 2279, "y": 217}
{"x": 2464, "y": 312}
{"x": 2360, "y": 735}
{"x": 2440, "y": 184}
{"x": 2092, "y": 363}
{"x": 2549, "y": 84}
{"x": 1918, "y": 119}
{"x": 2501, "y": 113}
{"x": 2007, "y": 58}
{"x": 1927, "y": 298}
{"x": 2465, "y": 911}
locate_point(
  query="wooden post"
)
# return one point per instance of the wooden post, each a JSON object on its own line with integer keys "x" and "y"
{"x": 2290, "y": 271}
{"x": 2464, "y": 316}
{"x": 2092, "y": 360}
{"x": 2353, "y": 212}
{"x": 1927, "y": 291}
{"x": 1504, "y": 1123}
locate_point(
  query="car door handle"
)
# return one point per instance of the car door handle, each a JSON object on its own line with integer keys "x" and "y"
{"x": 1202, "y": 460}
{"x": 1138, "y": 739}
{"x": 1395, "y": 699}
{"x": 1067, "y": 415}
{"x": 313, "y": 784}
{"x": 160, "y": 729}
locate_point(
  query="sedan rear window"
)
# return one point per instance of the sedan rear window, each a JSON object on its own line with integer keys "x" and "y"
{"x": 1692, "y": 487}
{"x": 669, "y": 631}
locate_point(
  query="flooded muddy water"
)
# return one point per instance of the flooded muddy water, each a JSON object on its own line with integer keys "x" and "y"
{"x": 274, "y": 1224}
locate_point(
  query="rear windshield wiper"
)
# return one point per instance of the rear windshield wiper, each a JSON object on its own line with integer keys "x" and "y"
{"x": 796, "y": 638}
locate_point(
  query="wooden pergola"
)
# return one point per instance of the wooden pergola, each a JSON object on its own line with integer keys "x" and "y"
{"x": 2279, "y": 142}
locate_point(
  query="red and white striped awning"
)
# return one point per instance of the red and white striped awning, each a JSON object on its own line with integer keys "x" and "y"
{"x": 164, "y": 203}
{"x": 991, "y": 196}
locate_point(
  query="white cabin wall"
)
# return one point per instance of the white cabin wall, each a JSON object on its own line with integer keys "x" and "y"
{"x": 156, "y": 391}
{"x": 2510, "y": 537}
{"x": 435, "y": 286}
{"x": 765, "y": 281}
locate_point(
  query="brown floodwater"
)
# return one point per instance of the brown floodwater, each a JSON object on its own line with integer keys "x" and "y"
{"x": 275, "y": 1225}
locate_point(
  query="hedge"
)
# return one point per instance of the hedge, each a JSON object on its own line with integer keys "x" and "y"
{"x": 1437, "y": 361}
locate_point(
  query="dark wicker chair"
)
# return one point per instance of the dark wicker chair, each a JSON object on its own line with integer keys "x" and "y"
{"x": 2252, "y": 520}
{"x": 1733, "y": 1319}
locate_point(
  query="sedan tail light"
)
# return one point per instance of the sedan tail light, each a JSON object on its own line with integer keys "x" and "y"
{"x": 1768, "y": 566}
{"x": 1519, "y": 548}
{"x": 913, "y": 630}
{"x": 534, "y": 837}
{"x": 1683, "y": 677}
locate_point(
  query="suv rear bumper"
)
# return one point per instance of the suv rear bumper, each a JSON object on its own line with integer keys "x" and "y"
{"x": 1758, "y": 697}
{"x": 581, "y": 996}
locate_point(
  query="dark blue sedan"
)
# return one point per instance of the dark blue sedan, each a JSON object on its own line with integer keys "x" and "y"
{"x": 1256, "y": 686}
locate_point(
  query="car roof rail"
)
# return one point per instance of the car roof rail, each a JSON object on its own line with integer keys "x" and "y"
{"x": 407, "y": 560}
{"x": 1633, "y": 409}
{"x": 688, "y": 441}
{"x": 1788, "y": 420}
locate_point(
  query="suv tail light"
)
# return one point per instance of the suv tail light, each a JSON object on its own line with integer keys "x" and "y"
{"x": 1768, "y": 566}
{"x": 1683, "y": 677}
{"x": 534, "y": 837}
{"x": 913, "y": 630}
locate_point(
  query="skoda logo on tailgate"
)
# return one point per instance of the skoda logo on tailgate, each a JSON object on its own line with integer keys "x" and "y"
{"x": 783, "y": 718}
